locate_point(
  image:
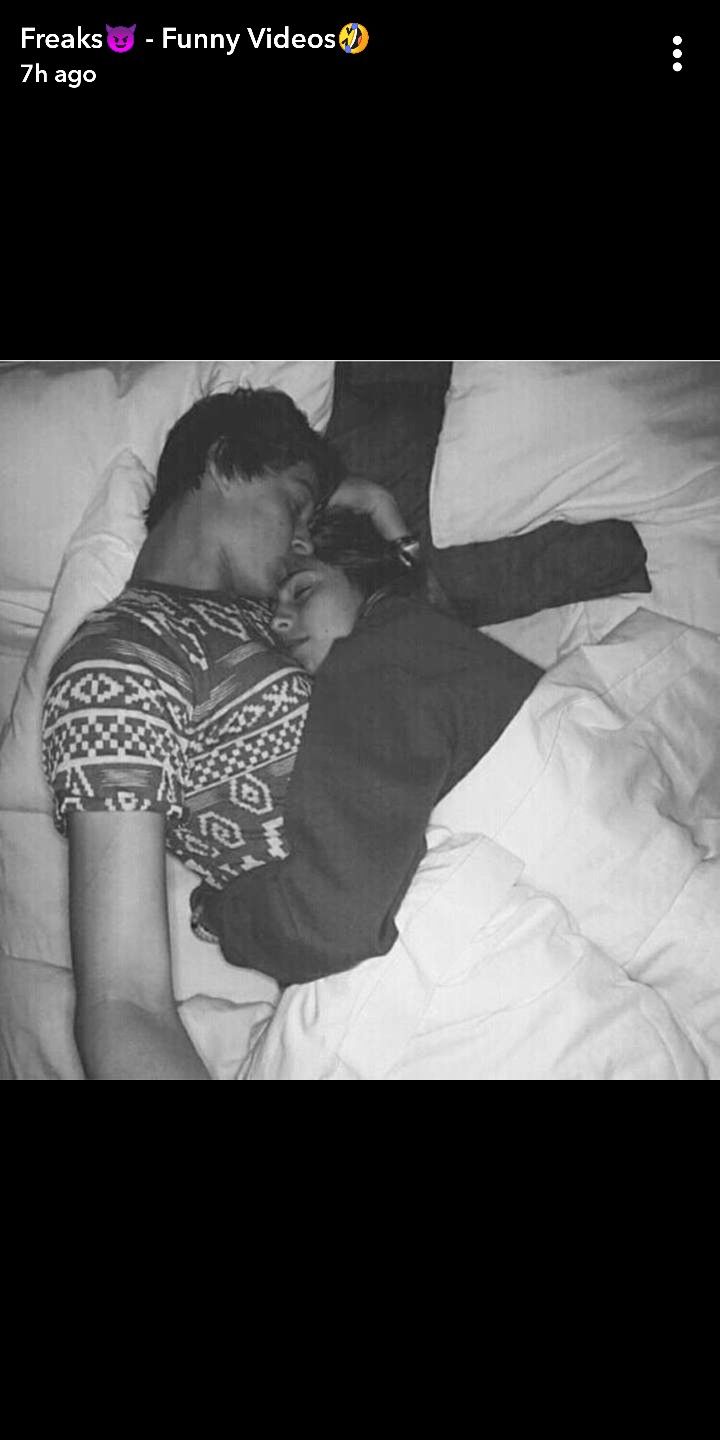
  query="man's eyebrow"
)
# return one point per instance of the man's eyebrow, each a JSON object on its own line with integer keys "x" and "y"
{"x": 310, "y": 486}
{"x": 306, "y": 476}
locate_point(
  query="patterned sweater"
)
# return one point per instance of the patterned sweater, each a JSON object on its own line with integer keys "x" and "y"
{"x": 178, "y": 701}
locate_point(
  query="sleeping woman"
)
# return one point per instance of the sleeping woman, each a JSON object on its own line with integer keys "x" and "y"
{"x": 406, "y": 700}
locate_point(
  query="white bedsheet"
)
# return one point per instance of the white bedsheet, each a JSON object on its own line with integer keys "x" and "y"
{"x": 579, "y": 938}
{"x": 516, "y": 994}
{"x": 563, "y": 925}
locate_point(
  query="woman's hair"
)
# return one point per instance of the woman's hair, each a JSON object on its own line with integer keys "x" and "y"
{"x": 246, "y": 434}
{"x": 351, "y": 542}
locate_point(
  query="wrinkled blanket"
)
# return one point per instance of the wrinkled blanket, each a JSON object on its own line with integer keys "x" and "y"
{"x": 563, "y": 924}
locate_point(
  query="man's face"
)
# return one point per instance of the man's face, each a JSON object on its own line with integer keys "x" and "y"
{"x": 267, "y": 529}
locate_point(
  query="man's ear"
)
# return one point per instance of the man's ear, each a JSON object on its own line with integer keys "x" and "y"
{"x": 211, "y": 473}
{"x": 214, "y": 480}
{"x": 221, "y": 484}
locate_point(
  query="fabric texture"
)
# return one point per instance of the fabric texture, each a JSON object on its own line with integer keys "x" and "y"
{"x": 401, "y": 710}
{"x": 63, "y": 428}
{"x": 491, "y": 980}
{"x": 558, "y": 564}
{"x": 385, "y": 424}
{"x": 528, "y": 441}
{"x": 597, "y": 960}
{"x": 387, "y": 420}
{"x": 631, "y": 847}
{"x": 178, "y": 701}
{"x": 97, "y": 564}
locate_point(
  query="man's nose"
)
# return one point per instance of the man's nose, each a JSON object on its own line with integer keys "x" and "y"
{"x": 302, "y": 541}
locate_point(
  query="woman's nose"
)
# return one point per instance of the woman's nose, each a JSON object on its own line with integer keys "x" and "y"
{"x": 281, "y": 623}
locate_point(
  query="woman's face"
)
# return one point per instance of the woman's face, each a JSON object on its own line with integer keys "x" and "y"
{"x": 316, "y": 606}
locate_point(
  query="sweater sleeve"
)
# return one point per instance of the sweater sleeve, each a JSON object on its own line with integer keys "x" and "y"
{"x": 375, "y": 758}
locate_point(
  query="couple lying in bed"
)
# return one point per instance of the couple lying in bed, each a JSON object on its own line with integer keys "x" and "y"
{"x": 179, "y": 718}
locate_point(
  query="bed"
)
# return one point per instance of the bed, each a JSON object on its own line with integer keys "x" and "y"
{"x": 563, "y": 923}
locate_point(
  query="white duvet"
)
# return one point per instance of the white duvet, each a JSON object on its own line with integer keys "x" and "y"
{"x": 563, "y": 925}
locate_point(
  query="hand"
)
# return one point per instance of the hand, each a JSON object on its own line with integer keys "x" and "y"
{"x": 367, "y": 498}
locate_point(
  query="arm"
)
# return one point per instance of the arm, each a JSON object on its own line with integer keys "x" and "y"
{"x": 367, "y": 498}
{"x": 374, "y": 759}
{"x": 126, "y": 1024}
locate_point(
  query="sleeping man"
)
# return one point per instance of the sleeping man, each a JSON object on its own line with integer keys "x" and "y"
{"x": 405, "y": 701}
{"x": 172, "y": 720}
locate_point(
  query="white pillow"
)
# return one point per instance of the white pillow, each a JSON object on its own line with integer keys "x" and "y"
{"x": 97, "y": 564}
{"x": 527, "y": 441}
{"x": 62, "y": 424}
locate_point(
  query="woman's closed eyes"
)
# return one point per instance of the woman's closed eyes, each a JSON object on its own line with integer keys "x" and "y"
{"x": 315, "y": 607}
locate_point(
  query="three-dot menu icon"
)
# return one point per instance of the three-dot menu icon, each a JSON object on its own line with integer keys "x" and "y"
{"x": 677, "y": 52}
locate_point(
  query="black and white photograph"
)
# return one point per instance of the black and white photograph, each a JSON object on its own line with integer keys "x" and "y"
{"x": 360, "y": 719}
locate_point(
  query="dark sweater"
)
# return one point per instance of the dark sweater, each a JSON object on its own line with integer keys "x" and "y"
{"x": 401, "y": 710}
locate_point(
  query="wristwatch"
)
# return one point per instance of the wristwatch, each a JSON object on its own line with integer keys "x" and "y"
{"x": 407, "y": 549}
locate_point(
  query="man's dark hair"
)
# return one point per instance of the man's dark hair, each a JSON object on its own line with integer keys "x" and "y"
{"x": 246, "y": 434}
{"x": 351, "y": 542}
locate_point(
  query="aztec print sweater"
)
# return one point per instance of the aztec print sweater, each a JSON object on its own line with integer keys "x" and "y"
{"x": 179, "y": 701}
